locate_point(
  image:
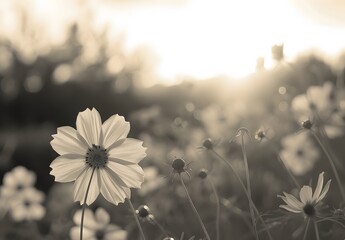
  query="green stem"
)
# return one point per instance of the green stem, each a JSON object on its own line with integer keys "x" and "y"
{"x": 316, "y": 231}
{"x": 194, "y": 209}
{"x": 325, "y": 150}
{"x": 245, "y": 159}
{"x": 327, "y": 144}
{"x": 306, "y": 229}
{"x": 218, "y": 208}
{"x": 289, "y": 172}
{"x": 245, "y": 191}
{"x": 160, "y": 227}
{"x": 137, "y": 220}
{"x": 84, "y": 205}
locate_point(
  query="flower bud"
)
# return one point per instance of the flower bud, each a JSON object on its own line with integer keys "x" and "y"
{"x": 143, "y": 211}
{"x": 202, "y": 173}
{"x": 208, "y": 144}
{"x": 307, "y": 124}
{"x": 178, "y": 165}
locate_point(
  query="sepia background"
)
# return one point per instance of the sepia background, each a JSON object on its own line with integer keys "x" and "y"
{"x": 180, "y": 71}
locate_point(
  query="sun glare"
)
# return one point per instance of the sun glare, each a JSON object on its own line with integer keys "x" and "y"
{"x": 203, "y": 38}
{"x": 208, "y": 38}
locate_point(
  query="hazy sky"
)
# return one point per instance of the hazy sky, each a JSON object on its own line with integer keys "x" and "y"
{"x": 204, "y": 38}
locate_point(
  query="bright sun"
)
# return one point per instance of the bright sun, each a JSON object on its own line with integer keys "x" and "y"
{"x": 206, "y": 38}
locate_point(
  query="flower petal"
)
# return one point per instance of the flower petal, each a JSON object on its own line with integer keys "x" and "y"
{"x": 23, "y": 176}
{"x": 117, "y": 234}
{"x": 90, "y": 221}
{"x": 305, "y": 194}
{"x": 112, "y": 187}
{"x": 67, "y": 168}
{"x": 32, "y": 195}
{"x": 324, "y": 191}
{"x": 87, "y": 234}
{"x": 36, "y": 212}
{"x": 318, "y": 187}
{"x": 9, "y": 180}
{"x": 68, "y": 141}
{"x": 132, "y": 175}
{"x": 89, "y": 126}
{"x": 290, "y": 200}
{"x": 130, "y": 151}
{"x": 290, "y": 209}
{"x": 102, "y": 217}
{"x": 81, "y": 185}
{"x": 114, "y": 129}
{"x": 19, "y": 213}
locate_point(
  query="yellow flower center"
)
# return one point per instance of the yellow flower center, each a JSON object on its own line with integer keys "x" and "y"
{"x": 96, "y": 156}
{"x": 100, "y": 235}
{"x": 309, "y": 210}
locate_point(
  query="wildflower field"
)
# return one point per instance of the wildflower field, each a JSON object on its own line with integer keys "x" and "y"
{"x": 88, "y": 152}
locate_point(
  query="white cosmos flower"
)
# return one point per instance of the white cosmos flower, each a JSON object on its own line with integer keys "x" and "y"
{"x": 308, "y": 201}
{"x": 16, "y": 180}
{"x": 323, "y": 101}
{"x": 102, "y": 152}
{"x": 96, "y": 226}
{"x": 299, "y": 153}
{"x": 153, "y": 181}
{"x": 27, "y": 205}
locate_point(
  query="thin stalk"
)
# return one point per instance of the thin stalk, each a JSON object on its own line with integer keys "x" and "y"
{"x": 331, "y": 220}
{"x": 294, "y": 180}
{"x": 160, "y": 227}
{"x": 245, "y": 191}
{"x": 194, "y": 209}
{"x": 218, "y": 208}
{"x": 245, "y": 159}
{"x": 84, "y": 205}
{"x": 316, "y": 231}
{"x": 324, "y": 135}
{"x": 241, "y": 214}
{"x": 136, "y": 220}
{"x": 306, "y": 229}
{"x": 327, "y": 144}
{"x": 325, "y": 150}
{"x": 288, "y": 171}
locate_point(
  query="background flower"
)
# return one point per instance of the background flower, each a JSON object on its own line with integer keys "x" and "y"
{"x": 17, "y": 180}
{"x": 97, "y": 226}
{"x": 299, "y": 153}
{"x": 27, "y": 205}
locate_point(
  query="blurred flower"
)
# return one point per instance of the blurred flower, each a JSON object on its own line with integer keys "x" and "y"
{"x": 278, "y": 52}
{"x": 96, "y": 226}
{"x": 62, "y": 73}
{"x": 27, "y": 205}
{"x": 153, "y": 181}
{"x": 320, "y": 100}
{"x": 317, "y": 98}
{"x": 308, "y": 202}
{"x": 299, "y": 154}
{"x": 17, "y": 180}
{"x": 6, "y": 59}
{"x": 260, "y": 64}
{"x": 101, "y": 153}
